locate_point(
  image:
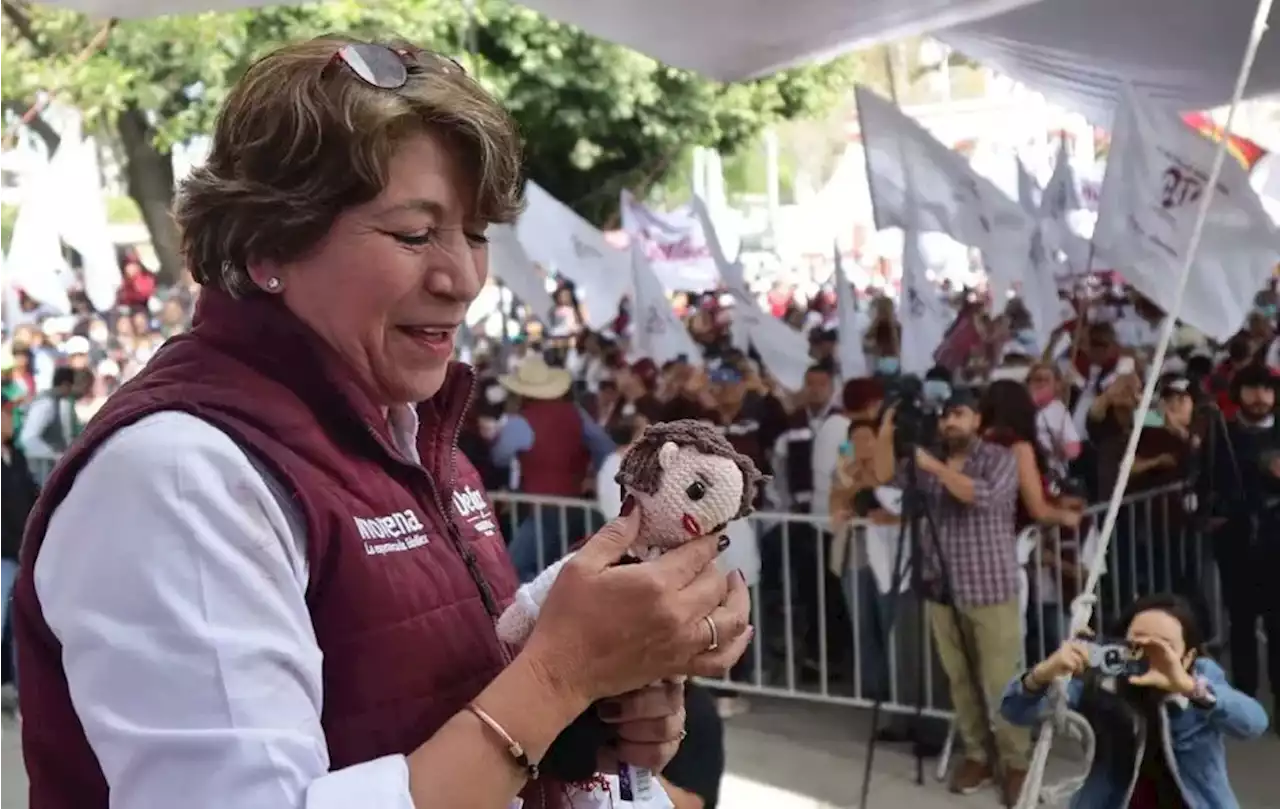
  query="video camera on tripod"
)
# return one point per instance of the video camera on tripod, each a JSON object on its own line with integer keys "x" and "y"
{"x": 918, "y": 404}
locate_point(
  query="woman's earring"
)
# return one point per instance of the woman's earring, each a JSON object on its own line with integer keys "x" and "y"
{"x": 273, "y": 284}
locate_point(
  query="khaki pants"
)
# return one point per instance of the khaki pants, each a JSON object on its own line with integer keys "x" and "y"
{"x": 995, "y": 633}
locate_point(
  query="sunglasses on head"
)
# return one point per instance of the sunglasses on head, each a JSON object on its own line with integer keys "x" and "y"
{"x": 388, "y": 68}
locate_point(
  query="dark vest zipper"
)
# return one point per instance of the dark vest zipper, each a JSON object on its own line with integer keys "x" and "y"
{"x": 430, "y": 493}
{"x": 455, "y": 538}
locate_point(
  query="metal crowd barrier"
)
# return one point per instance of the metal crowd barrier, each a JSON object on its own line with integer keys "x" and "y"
{"x": 819, "y": 626}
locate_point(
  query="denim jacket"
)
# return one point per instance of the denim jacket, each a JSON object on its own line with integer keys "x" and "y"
{"x": 1191, "y": 737}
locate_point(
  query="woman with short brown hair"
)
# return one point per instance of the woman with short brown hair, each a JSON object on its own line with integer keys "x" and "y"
{"x": 265, "y": 576}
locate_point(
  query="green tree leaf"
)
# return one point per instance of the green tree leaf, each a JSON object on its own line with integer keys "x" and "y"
{"x": 595, "y": 117}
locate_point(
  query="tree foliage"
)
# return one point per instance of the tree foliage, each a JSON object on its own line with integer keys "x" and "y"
{"x": 596, "y": 117}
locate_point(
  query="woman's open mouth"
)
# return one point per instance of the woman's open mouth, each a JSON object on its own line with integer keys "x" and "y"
{"x": 437, "y": 340}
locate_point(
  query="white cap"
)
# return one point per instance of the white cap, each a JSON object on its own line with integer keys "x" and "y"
{"x": 75, "y": 345}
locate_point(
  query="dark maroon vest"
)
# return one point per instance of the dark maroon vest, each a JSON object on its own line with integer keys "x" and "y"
{"x": 558, "y": 462}
{"x": 407, "y": 636}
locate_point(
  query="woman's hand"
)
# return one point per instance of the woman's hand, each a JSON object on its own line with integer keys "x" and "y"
{"x": 1166, "y": 671}
{"x": 1071, "y": 659}
{"x": 1069, "y": 518}
{"x": 649, "y": 725}
{"x": 608, "y": 629}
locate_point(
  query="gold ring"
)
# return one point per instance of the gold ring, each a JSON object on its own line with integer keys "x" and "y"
{"x": 715, "y": 634}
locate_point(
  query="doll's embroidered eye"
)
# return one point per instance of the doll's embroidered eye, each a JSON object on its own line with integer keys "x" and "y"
{"x": 696, "y": 491}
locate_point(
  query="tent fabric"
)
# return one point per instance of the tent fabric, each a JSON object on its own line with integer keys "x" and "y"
{"x": 722, "y": 39}
{"x": 739, "y": 39}
{"x": 1181, "y": 53}
{"x": 1077, "y": 52}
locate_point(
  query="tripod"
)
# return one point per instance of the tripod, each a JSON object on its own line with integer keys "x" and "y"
{"x": 915, "y": 510}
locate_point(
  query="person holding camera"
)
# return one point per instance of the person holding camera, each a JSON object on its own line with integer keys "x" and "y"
{"x": 970, "y": 578}
{"x": 1160, "y": 711}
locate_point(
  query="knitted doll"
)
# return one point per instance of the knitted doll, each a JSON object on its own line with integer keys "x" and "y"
{"x": 688, "y": 482}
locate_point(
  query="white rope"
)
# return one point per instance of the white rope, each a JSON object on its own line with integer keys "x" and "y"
{"x": 1061, "y": 718}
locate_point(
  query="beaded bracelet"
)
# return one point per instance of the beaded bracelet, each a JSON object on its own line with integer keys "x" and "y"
{"x": 514, "y": 748}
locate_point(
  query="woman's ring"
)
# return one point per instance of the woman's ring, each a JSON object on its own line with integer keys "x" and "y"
{"x": 715, "y": 634}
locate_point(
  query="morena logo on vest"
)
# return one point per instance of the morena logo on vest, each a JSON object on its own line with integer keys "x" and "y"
{"x": 473, "y": 508}
{"x": 393, "y": 533}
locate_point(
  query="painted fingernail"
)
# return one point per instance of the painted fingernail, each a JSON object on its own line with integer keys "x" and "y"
{"x": 741, "y": 575}
{"x": 723, "y": 544}
{"x": 628, "y": 506}
{"x": 609, "y": 710}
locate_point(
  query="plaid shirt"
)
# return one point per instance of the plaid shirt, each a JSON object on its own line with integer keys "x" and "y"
{"x": 978, "y": 541}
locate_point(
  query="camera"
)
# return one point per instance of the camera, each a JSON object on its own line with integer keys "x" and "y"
{"x": 1116, "y": 660}
{"x": 915, "y": 415}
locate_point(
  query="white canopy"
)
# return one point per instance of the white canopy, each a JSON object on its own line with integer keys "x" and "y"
{"x": 1075, "y": 52}
{"x": 1185, "y": 52}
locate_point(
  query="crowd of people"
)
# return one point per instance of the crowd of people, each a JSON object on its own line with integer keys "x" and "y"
{"x": 325, "y": 628}
{"x": 57, "y": 370}
{"x": 1026, "y": 439}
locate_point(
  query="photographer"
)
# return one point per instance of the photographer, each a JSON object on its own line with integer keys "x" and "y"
{"x": 972, "y": 495}
{"x": 1167, "y": 718}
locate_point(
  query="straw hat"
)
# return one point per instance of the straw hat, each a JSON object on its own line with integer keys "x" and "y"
{"x": 534, "y": 379}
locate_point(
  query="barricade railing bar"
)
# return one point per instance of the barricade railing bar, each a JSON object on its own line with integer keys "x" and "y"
{"x": 819, "y": 625}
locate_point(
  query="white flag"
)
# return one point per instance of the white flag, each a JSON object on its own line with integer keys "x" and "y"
{"x": 34, "y": 262}
{"x": 675, "y": 243}
{"x": 83, "y": 213}
{"x": 1029, "y": 191}
{"x": 658, "y": 332}
{"x": 1157, "y": 173}
{"x": 1054, "y": 249}
{"x": 923, "y": 321}
{"x": 554, "y": 236}
{"x": 853, "y": 362}
{"x": 949, "y": 196}
{"x": 783, "y": 350}
{"x": 732, "y": 274}
{"x": 1061, "y": 197}
{"x": 512, "y": 266}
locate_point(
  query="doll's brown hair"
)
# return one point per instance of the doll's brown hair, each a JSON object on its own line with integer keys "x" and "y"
{"x": 641, "y": 472}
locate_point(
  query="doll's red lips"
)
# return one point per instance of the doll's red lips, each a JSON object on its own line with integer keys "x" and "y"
{"x": 690, "y": 524}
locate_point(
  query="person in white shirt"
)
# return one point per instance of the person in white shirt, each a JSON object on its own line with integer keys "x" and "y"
{"x": 1056, "y": 432}
{"x": 51, "y": 421}
{"x": 264, "y": 577}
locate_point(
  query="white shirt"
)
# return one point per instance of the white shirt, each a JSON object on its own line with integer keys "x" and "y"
{"x": 44, "y": 409}
{"x": 173, "y": 575}
{"x": 826, "y": 457}
{"x": 1055, "y": 431}
{"x": 608, "y": 492}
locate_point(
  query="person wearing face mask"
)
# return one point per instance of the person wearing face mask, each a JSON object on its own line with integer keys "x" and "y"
{"x": 1241, "y": 487}
{"x": 883, "y": 338}
{"x": 1159, "y": 733}
{"x": 1055, "y": 431}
